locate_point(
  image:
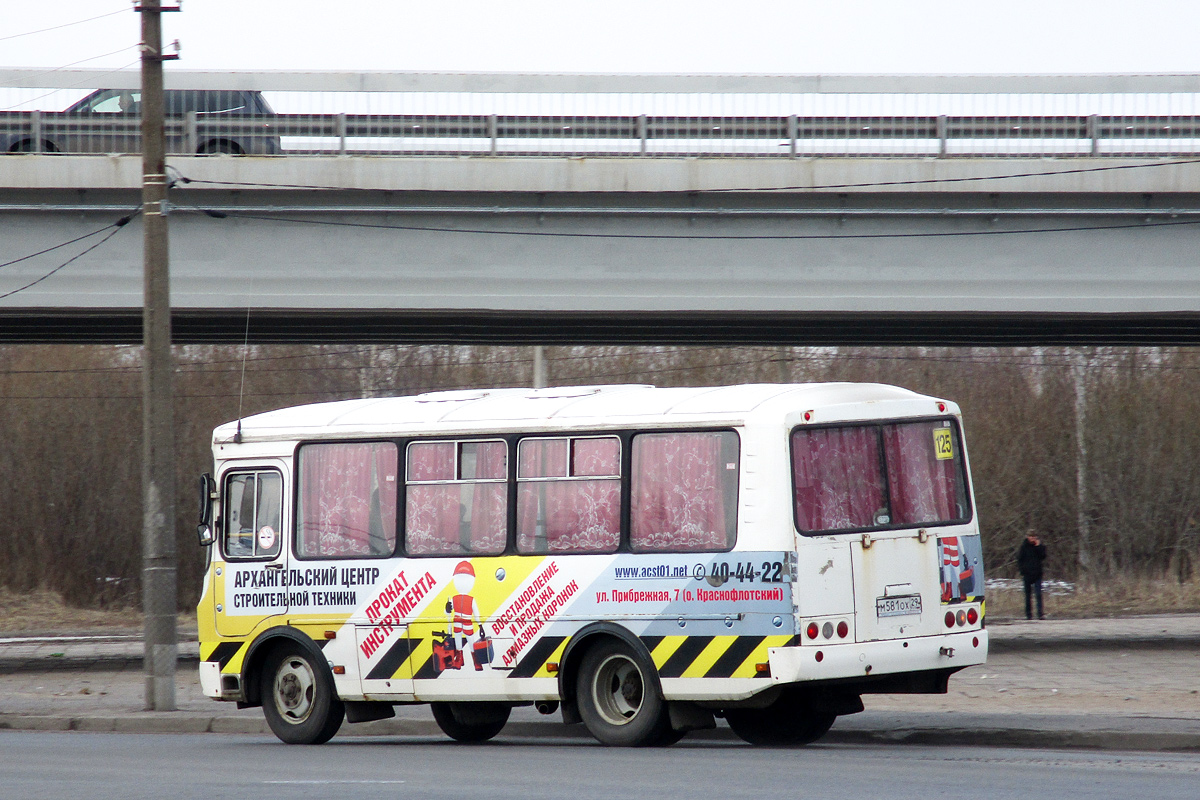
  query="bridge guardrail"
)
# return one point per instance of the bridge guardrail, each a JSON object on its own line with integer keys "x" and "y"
{"x": 412, "y": 114}
{"x": 610, "y": 135}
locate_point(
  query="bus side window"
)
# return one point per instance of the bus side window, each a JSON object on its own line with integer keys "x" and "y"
{"x": 456, "y": 498}
{"x": 684, "y": 492}
{"x": 569, "y": 495}
{"x": 253, "y": 514}
{"x": 347, "y": 500}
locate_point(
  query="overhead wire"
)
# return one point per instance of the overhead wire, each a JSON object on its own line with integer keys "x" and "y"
{"x": 63, "y": 25}
{"x": 798, "y": 187}
{"x": 116, "y": 227}
{"x": 710, "y": 237}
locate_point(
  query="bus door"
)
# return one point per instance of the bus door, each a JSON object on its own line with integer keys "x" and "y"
{"x": 896, "y": 585}
{"x": 250, "y": 576}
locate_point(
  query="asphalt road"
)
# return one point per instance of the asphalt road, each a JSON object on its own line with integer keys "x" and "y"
{"x": 181, "y": 767}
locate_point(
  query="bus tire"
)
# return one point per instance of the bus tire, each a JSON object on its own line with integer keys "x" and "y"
{"x": 470, "y": 722}
{"x": 788, "y": 721}
{"x": 618, "y": 697}
{"x": 298, "y": 696}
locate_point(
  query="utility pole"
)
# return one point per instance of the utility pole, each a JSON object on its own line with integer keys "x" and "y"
{"x": 539, "y": 367}
{"x": 159, "y": 603}
{"x": 1079, "y": 378}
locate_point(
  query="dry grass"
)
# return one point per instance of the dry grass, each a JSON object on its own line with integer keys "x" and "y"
{"x": 44, "y": 611}
{"x": 1116, "y": 597}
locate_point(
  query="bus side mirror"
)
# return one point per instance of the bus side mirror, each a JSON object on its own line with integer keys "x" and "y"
{"x": 204, "y": 530}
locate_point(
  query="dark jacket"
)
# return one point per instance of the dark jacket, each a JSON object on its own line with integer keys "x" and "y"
{"x": 1029, "y": 560}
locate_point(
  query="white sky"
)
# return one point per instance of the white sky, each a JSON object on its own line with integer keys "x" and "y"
{"x": 746, "y": 36}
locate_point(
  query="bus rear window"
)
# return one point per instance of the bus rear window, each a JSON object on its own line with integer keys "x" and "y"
{"x": 878, "y": 476}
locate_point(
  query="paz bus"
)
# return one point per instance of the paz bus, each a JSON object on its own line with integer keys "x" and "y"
{"x": 642, "y": 560}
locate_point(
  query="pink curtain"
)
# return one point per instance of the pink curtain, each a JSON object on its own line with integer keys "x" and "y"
{"x": 679, "y": 485}
{"x": 348, "y": 499}
{"x": 460, "y": 516}
{"x": 489, "y": 506}
{"x": 599, "y": 458}
{"x": 838, "y": 480}
{"x": 922, "y": 487}
{"x": 582, "y": 516}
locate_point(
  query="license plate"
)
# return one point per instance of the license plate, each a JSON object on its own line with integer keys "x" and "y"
{"x": 900, "y": 606}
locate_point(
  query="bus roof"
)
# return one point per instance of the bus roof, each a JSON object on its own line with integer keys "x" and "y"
{"x": 569, "y": 407}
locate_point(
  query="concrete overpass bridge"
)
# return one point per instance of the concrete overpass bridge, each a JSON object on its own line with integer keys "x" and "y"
{"x": 553, "y": 209}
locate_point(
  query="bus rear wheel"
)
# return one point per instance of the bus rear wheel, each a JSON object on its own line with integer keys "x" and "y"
{"x": 790, "y": 720}
{"x": 470, "y": 722}
{"x": 298, "y": 696}
{"x": 618, "y": 698}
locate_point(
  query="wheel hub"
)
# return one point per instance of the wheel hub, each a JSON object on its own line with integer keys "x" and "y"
{"x": 295, "y": 686}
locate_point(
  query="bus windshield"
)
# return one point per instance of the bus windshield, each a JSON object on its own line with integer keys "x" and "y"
{"x": 878, "y": 476}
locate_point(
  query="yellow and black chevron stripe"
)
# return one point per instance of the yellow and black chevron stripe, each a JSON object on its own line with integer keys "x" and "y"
{"x": 711, "y": 656}
{"x": 231, "y": 654}
{"x": 222, "y": 652}
{"x": 674, "y": 657}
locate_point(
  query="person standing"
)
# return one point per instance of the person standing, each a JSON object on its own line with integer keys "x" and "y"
{"x": 1029, "y": 561}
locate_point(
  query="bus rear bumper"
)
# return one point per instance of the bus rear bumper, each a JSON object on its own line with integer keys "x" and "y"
{"x": 857, "y": 660}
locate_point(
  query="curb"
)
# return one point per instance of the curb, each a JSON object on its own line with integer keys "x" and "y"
{"x": 111, "y": 663}
{"x": 176, "y": 723}
{"x": 1074, "y": 643}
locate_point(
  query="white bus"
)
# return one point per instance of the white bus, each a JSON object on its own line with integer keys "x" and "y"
{"x": 645, "y": 559}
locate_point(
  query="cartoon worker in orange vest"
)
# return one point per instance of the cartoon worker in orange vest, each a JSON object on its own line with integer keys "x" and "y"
{"x": 464, "y": 616}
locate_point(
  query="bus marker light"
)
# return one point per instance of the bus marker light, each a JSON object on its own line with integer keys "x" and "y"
{"x": 972, "y": 616}
{"x": 807, "y": 416}
{"x": 843, "y": 629}
{"x": 551, "y": 666}
{"x": 941, "y": 406}
{"x": 763, "y": 668}
{"x": 949, "y": 619}
{"x": 812, "y": 630}
{"x": 339, "y": 670}
{"x": 330, "y": 634}
{"x": 975, "y": 642}
{"x": 820, "y": 656}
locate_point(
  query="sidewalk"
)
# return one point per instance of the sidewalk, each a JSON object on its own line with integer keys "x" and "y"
{"x": 1118, "y": 684}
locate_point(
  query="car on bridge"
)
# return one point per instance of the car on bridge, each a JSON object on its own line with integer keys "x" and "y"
{"x": 109, "y": 121}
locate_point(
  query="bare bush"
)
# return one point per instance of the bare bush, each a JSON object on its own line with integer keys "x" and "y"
{"x": 70, "y": 472}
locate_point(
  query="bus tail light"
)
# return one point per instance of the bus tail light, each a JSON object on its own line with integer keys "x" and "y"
{"x": 972, "y": 616}
{"x": 843, "y": 629}
{"x": 949, "y": 619}
{"x": 812, "y": 630}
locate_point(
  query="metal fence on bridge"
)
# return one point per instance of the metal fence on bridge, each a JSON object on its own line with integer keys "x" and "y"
{"x": 415, "y": 114}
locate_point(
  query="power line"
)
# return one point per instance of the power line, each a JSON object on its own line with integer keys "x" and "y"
{"x": 812, "y": 187}
{"x": 117, "y": 226}
{"x": 834, "y": 356}
{"x": 55, "y": 247}
{"x": 63, "y": 25}
{"x": 712, "y": 237}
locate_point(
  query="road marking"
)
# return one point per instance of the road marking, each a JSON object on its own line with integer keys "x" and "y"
{"x": 330, "y": 782}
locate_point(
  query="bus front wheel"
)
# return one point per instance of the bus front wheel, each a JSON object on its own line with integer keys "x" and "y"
{"x": 788, "y": 721}
{"x": 470, "y": 722}
{"x": 298, "y": 696}
{"x": 618, "y": 699}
